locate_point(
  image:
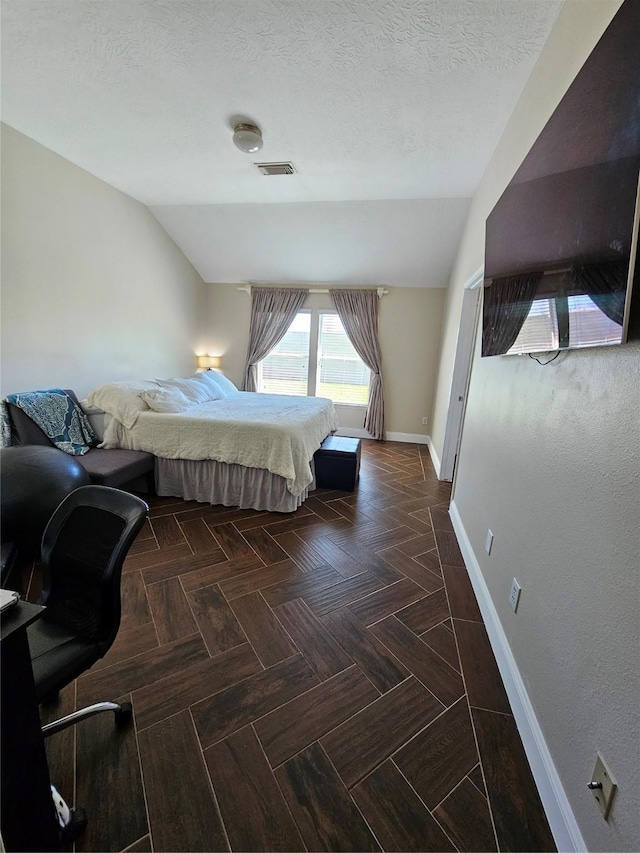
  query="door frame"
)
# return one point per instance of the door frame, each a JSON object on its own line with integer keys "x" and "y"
{"x": 462, "y": 366}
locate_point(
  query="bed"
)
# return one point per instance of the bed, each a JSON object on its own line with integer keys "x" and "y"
{"x": 230, "y": 447}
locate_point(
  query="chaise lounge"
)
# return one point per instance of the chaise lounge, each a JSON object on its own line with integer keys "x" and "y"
{"x": 114, "y": 468}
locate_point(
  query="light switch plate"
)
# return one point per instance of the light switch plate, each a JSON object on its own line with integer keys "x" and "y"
{"x": 604, "y": 795}
{"x": 488, "y": 542}
{"x": 514, "y": 595}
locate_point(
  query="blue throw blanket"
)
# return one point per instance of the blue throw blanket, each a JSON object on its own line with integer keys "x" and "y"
{"x": 59, "y": 417}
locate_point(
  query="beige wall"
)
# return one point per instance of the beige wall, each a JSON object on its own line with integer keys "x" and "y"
{"x": 93, "y": 289}
{"x": 409, "y": 324}
{"x": 549, "y": 462}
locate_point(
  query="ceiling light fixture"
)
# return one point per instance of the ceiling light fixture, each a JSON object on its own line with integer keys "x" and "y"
{"x": 247, "y": 137}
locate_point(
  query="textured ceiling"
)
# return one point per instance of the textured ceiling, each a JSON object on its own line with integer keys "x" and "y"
{"x": 387, "y": 99}
{"x": 405, "y": 243}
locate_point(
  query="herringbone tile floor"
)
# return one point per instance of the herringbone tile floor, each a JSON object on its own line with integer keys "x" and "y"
{"x": 313, "y": 681}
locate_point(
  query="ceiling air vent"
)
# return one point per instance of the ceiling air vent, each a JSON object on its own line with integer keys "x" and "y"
{"x": 276, "y": 168}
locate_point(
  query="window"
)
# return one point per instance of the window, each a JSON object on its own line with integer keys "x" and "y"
{"x": 539, "y": 332}
{"x": 341, "y": 374}
{"x": 286, "y": 369}
{"x": 316, "y": 358}
{"x": 588, "y": 325}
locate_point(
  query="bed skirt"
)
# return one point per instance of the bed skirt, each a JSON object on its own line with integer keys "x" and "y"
{"x": 225, "y": 483}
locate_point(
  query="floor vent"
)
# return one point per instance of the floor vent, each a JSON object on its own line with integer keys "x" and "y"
{"x": 276, "y": 168}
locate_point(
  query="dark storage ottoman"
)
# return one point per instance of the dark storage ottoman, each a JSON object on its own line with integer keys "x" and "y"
{"x": 337, "y": 463}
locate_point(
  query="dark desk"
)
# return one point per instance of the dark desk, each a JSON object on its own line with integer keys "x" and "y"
{"x": 28, "y": 818}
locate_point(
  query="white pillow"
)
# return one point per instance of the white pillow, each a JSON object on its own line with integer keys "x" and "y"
{"x": 225, "y": 385}
{"x": 194, "y": 390}
{"x": 122, "y": 400}
{"x": 213, "y": 389}
{"x": 166, "y": 400}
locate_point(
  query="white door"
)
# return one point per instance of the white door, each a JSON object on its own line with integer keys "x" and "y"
{"x": 461, "y": 375}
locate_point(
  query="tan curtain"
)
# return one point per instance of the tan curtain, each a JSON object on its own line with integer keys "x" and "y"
{"x": 272, "y": 312}
{"x": 358, "y": 311}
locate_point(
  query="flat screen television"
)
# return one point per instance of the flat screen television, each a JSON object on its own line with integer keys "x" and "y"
{"x": 561, "y": 242}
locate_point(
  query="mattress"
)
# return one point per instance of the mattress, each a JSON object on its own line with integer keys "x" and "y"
{"x": 276, "y": 433}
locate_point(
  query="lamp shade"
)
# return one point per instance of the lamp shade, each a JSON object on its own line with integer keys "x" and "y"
{"x": 208, "y": 361}
{"x": 247, "y": 137}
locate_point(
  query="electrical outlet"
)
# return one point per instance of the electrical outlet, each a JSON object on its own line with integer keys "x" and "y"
{"x": 514, "y": 595}
{"x": 488, "y": 541}
{"x": 425, "y": 421}
{"x": 603, "y": 786}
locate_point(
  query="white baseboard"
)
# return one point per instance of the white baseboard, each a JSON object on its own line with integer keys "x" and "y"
{"x": 562, "y": 821}
{"x": 434, "y": 458}
{"x": 409, "y": 437}
{"x": 347, "y": 432}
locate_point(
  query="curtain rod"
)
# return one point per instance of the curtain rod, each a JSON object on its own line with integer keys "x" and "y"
{"x": 246, "y": 288}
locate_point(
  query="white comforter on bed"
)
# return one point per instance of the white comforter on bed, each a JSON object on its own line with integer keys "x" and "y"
{"x": 268, "y": 431}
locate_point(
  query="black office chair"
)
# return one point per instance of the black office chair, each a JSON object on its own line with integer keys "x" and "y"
{"x": 83, "y": 548}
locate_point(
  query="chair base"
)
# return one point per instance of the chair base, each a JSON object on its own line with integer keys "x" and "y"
{"x": 122, "y": 713}
{"x": 77, "y": 824}
{"x": 71, "y": 822}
